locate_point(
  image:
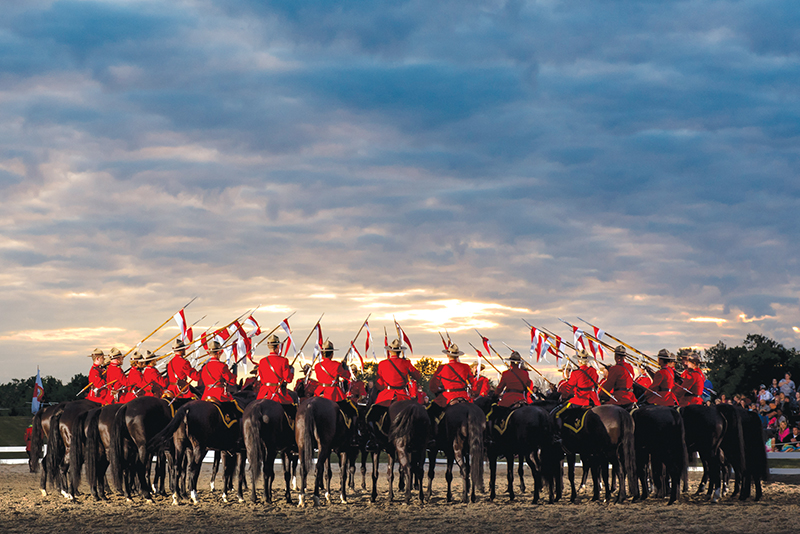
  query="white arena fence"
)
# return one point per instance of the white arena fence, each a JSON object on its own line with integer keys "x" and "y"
{"x": 210, "y": 459}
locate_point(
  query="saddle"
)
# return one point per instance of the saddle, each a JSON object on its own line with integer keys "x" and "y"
{"x": 230, "y": 412}
{"x": 346, "y": 406}
{"x": 502, "y": 417}
{"x": 572, "y": 417}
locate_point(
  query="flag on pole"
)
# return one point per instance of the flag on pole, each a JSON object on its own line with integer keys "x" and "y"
{"x": 577, "y": 335}
{"x": 369, "y": 342}
{"x": 360, "y": 359}
{"x": 537, "y": 343}
{"x": 288, "y": 330}
{"x": 256, "y": 329}
{"x": 38, "y": 393}
{"x": 317, "y": 344}
{"x": 404, "y": 336}
{"x": 180, "y": 319}
{"x": 555, "y": 348}
{"x": 597, "y": 348}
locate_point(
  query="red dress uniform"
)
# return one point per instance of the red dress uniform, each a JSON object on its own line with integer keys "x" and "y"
{"x": 274, "y": 372}
{"x": 394, "y": 378}
{"x": 135, "y": 385}
{"x": 565, "y": 389}
{"x": 644, "y": 381}
{"x": 480, "y": 387}
{"x": 451, "y": 379}
{"x": 180, "y": 372}
{"x": 215, "y": 376}
{"x": 693, "y": 380}
{"x": 329, "y": 374}
{"x": 97, "y": 392}
{"x": 116, "y": 380}
{"x": 619, "y": 383}
{"x": 154, "y": 382}
{"x": 357, "y": 389}
{"x": 583, "y": 382}
{"x": 513, "y": 386}
{"x": 663, "y": 382}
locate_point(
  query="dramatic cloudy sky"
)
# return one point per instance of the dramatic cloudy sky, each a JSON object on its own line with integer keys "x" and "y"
{"x": 456, "y": 164}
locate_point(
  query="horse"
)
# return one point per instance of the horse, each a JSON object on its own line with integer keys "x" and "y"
{"x": 320, "y": 422}
{"x": 460, "y": 435}
{"x": 91, "y": 441}
{"x": 59, "y": 439}
{"x": 605, "y": 435}
{"x": 660, "y": 440}
{"x": 266, "y": 433}
{"x": 200, "y": 425}
{"x": 407, "y": 441}
{"x": 358, "y": 445}
{"x": 705, "y": 427}
{"x": 732, "y": 446}
{"x": 529, "y": 435}
{"x": 755, "y": 455}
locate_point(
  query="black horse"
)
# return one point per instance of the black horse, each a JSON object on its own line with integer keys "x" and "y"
{"x": 358, "y": 446}
{"x": 755, "y": 455}
{"x": 732, "y": 446}
{"x": 660, "y": 441}
{"x": 601, "y": 435}
{"x": 321, "y": 423}
{"x": 266, "y": 434}
{"x": 91, "y": 442}
{"x": 40, "y": 430}
{"x": 199, "y": 426}
{"x": 529, "y": 436}
{"x": 408, "y": 437}
{"x": 460, "y": 435}
{"x": 58, "y": 447}
{"x": 705, "y": 427}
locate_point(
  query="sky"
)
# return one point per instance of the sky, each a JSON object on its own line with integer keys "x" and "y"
{"x": 456, "y": 165}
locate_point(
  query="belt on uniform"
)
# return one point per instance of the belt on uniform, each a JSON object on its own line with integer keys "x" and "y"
{"x": 627, "y": 390}
{"x": 328, "y": 385}
{"x": 398, "y": 387}
{"x": 584, "y": 389}
{"x": 270, "y": 384}
{"x": 454, "y": 390}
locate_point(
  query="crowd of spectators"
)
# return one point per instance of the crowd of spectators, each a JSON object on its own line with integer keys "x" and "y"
{"x": 778, "y": 407}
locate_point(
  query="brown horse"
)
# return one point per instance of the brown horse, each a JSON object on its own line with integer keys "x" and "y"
{"x": 460, "y": 435}
{"x": 321, "y": 423}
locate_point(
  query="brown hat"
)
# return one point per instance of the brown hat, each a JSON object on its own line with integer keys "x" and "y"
{"x": 664, "y": 354}
{"x": 96, "y": 352}
{"x": 214, "y": 346}
{"x": 273, "y": 341}
{"x": 693, "y": 357}
{"x": 135, "y": 357}
{"x": 582, "y": 356}
{"x": 515, "y": 357}
{"x": 328, "y": 347}
{"x": 178, "y": 344}
{"x": 115, "y": 353}
{"x": 148, "y": 357}
{"x": 395, "y": 346}
{"x": 452, "y": 351}
{"x": 620, "y": 349}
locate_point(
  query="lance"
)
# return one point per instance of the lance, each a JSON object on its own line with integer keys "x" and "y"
{"x": 492, "y": 348}
{"x": 549, "y": 334}
{"x": 350, "y": 348}
{"x": 157, "y": 329}
{"x": 176, "y": 335}
{"x": 306, "y": 341}
{"x": 230, "y": 339}
{"x": 637, "y": 351}
{"x": 252, "y": 350}
{"x": 90, "y": 385}
{"x": 535, "y": 370}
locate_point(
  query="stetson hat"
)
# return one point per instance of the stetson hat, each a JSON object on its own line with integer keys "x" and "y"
{"x": 135, "y": 357}
{"x": 620, "y": 349}
{"x": 515, "y": 357}
{"x": 273, "y": 341}
{"x": 395, "y": 346}
{"x": 664, "y": 354}
{"x": 328, "y": 347}
{"x": 178, "y": 344}
{"x": 96, "y": 352}
{"x": 582, "y": 356}
{"x": 453, "y": 351}
{"x": 115, "y": 353}
{"x": 214, "y": 346}
{"x": 148, "y": 357}
{"x": 693, "y": 357}
{"x": 306, "y": 368}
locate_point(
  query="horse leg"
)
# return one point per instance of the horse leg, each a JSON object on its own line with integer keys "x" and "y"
{"x": 448, "y": 476}
{"x": 195, "y": 463}
{"x": 343, "y": 462}
{"x": 328, "y": 476}
{"x": 510, "y": 473}
{"x": 363, "y": 469}
{"x": 463, "y": 464}
{"x": 287, "y": 475}
{"x": 432, "y": 453}
{"x": 616, "y": 473}
{"x": 492, "y": 474}
{"x": 268, "y": 474}
{"x": 351, "y": 470}
{"x": 390, "y": 475}
{"x": 521, "y": 473}
{"x": 571, "y": 476}
{"x": 319, "y": 472}
{"x": 536, "y": 471}
{"x": 375, "y": 456}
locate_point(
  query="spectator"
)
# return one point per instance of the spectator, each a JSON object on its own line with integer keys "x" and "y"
{"x": 796, "y": 401}
{"x": 782, "y": 436}
{"x": 764, "y": 394}
{"x": 783, "y": 403}
{"x": 787, "y": 386}
{"x": 773, "y": 388}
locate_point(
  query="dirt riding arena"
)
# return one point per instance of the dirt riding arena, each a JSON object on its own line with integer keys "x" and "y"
{"x": 23, "y": 509}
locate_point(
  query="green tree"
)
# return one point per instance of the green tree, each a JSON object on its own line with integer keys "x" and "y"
{"x": 742, "y": 369}
{"x": 426, "y": 367}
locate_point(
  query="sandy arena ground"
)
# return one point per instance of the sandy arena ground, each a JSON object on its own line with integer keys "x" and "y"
{"x": 22, "y": 509}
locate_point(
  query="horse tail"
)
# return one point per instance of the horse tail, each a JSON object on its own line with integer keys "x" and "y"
{"x": 309, "y": 430}
{"x": 119, "y": 432}
{"x": 629, "y": 453}
{"x": 476, "y": 422}
{"x": 55, "y": 449}
{"x": 252, "y": 439}
{"x": 683, "y": 454}
{"x": 93, "y": 444}
{"x": 402, "y": 428}
{"x": 37, "y": 441}
{"x": 157, "y": 441}
{"x": 76, "y": 454}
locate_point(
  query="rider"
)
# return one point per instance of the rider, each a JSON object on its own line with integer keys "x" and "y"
{"x": 116, "y": 380}
{"x": 394, "y": 374}
{"x": 357, "y": 392}
{"x": 134, "y": 379}
{"x": 480, "y": 384}
{"x": 583, "y": 382}
{"x": 332, "y": 376}
{"x": 306, "y": 386}
{"x": 153, "y": 381}
{"x": 274, "y": 373}
{"x": 216, "y": 376}
{"x": 513, "y": 389}
{"x": 691, "y": 391}
{"x": 663, "y": 381}
{"x": 451, "y": 381}
{"x": 97, "y": 378}
{"x": 619, "y": 382}
{"x": 181, "y": 373}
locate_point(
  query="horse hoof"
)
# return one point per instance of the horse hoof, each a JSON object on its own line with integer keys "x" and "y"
{"x": 715, "y": 498}
{"x": 294, "y": 483}
{"x": 344, "y": 501}
{"x": 194, "y": 496}
{"x": 174, "y": 500}
{"x": 128, "y": 499}
{"x": 149, "y": 501}
{"x": 327, "y": 498}
{"x": 224, "y": 498}
{"x": 212, "y": 485}
{"x": 155, "y": 490}
{"x": 44, "y": 492}
{"x": 240, "y": 499}
{"x": 316, "y": 501}
{"x": 301, "y": 501}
